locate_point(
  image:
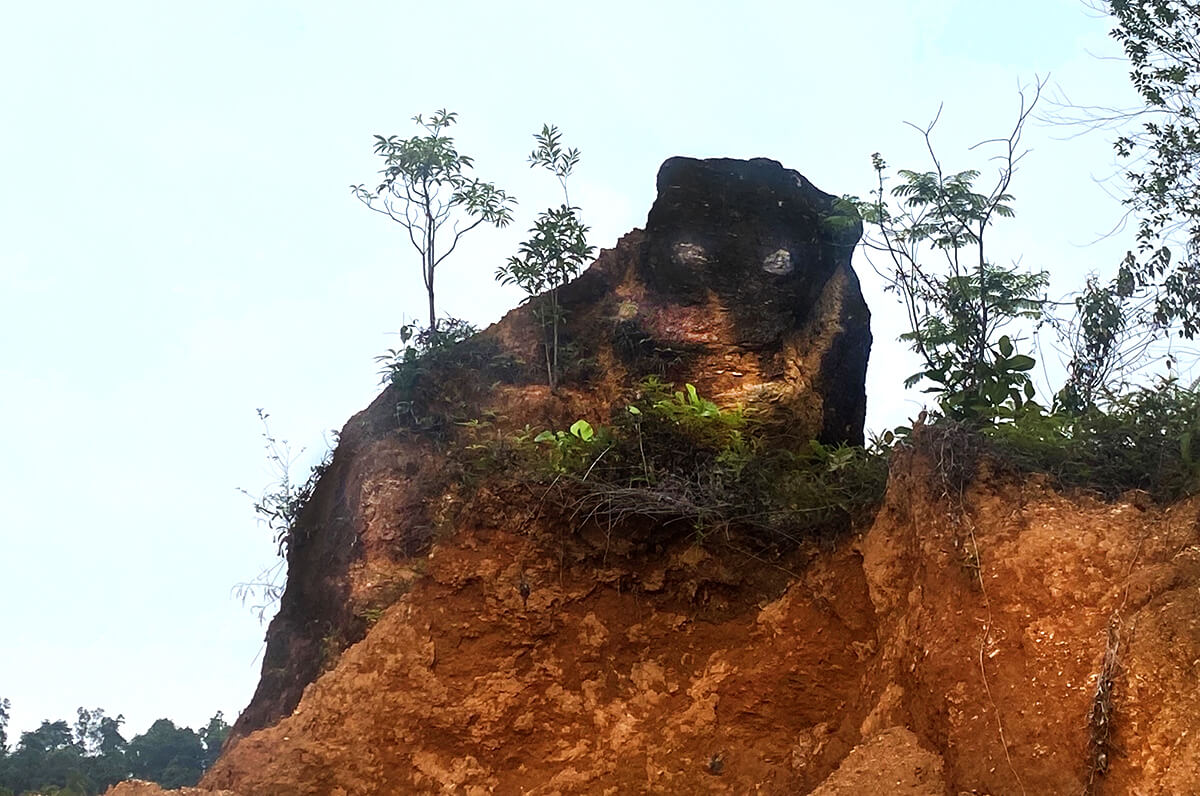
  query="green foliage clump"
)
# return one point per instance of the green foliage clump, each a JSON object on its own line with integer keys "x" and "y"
{"x": 555, "y": 252}
{"x": 678, "y": 460}
{"x": 1146, "y": 439}
{"x": 1162, "y": 150}
{"x": 575, "y": 447}
{"x": 172, "y": 756}
{"x": 436, "y": 371}
{"x": 419, "y": 347}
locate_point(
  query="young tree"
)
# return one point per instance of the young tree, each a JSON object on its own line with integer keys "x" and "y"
{"x": 1162, "y": 40}
{"x": 555, "y": 251}
{"x": 1094, "y": 339}
{"x": 1156, "y": 287}
{"x": 932, "y": 229}
{"x": 426, "y": 189}
{"x": 214, "y": 735}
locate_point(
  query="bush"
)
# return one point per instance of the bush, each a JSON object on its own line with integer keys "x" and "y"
{"x": 402, "y": 366}
{"x": 436, "y": 373}
{"x": 278, "y": 508}
{"x": 1147, "y": 439}
{"x": 679, "y": 460}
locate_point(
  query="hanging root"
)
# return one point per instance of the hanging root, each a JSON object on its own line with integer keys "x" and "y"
{"x": 1100, "y": 746}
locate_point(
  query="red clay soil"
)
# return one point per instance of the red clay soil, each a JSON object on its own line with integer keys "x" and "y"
{"x": 953, "y": 647}
{"x": 950, "y": 670}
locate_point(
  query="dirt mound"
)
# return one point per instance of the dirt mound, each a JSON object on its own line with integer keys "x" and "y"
{"x": 892, "y": 762}
{"x": 954, "y": 646}
{"x": 137, "y": 787}
{"x": 605, "y": 681}
{"x": 995, "y": 598}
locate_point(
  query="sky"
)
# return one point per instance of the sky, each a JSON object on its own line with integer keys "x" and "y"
{"x": 179, "y": 247}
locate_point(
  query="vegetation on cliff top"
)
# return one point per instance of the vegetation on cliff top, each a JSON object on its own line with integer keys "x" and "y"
{"x": 675, "y": 459}
{"x": 1103, "y": 429}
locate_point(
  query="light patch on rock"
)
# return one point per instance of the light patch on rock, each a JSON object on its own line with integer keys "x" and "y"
{"x": 779, "y": 262}
{"x": 691, "y": 254}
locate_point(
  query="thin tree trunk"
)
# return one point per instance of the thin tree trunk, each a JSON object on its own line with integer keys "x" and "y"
{"x": 431, "y": 264}
{"x": 432, "y": 313}
{"x": 554, "y": 305}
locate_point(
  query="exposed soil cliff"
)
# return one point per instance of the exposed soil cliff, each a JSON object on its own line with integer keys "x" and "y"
{"x": 900, "y": 661}
{"x": 440, "y": 639}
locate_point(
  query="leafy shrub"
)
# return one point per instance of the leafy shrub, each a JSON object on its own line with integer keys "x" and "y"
{"x": 402, "y": 366}
{"x": 573, "y": 448}
{"x": 436, "y": 372}
{"x": 679, "y": 460}
{"x": 1147, "y": 439}
{"x": 278, "y": 508}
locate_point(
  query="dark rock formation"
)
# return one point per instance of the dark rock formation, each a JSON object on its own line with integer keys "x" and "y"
{"x": 741, "y": 284}
{"x": 760, "y": 245}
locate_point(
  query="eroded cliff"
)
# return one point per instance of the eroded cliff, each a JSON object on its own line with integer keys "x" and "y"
{"x": 445, "y": 632}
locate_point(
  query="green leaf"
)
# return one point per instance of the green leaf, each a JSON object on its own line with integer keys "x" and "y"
{"x": 545, "y": 436}
{"x": 1021, "y": 362}
{"x": 1006, "y": 346}
{"x": 583, "y": 430}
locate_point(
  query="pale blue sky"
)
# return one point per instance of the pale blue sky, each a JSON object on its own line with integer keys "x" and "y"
{"x": 178, "y": 247}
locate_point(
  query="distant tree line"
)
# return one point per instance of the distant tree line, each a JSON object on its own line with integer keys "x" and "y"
{"x": 89, "y": 756}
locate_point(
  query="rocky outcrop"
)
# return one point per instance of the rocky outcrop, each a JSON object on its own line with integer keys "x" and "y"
{"x": 756, "y": 262}
{"x": 441, "y": 640}
{"x": 756, "y": 252}
{"x": 740, "y": 284}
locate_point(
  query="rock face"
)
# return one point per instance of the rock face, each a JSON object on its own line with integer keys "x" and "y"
{"x": 767, "y": 256}
{"x": 741, "y": 285}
